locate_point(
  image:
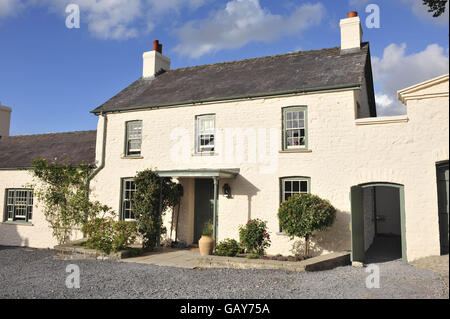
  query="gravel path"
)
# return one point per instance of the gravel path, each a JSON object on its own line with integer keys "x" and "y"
{"x": 28, "y": 273}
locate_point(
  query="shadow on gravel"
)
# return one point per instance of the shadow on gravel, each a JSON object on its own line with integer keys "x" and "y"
{"x": 384, "y": 249}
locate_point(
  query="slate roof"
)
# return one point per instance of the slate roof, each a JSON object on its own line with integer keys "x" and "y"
{"x": 288, "y": 73}
{"x": 20, "y": 151}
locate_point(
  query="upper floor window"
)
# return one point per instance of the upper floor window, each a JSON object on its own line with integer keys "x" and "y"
{"x": 128, "y": 190}
{"x": 205, "y": 133}
{"x": 295, "y": 128}
{"x": 133, "y": 138}
{"x": 19, "y": 205}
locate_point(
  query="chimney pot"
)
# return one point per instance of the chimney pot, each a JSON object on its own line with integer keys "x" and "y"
{"x": 352, "y": 14}
{"x": 5, "y": 118}
{"x": 155, "y": 45}
{"x": 154, "y": 62}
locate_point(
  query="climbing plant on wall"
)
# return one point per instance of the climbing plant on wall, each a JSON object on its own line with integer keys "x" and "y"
{"x": 153, "y": 196}
{"x": 63, "y": 191}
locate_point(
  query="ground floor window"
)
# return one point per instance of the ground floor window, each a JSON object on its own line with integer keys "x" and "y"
{"x": 128, "y": 190}
{"x": 293, "y": 185}
{"x": 19, "y": 205}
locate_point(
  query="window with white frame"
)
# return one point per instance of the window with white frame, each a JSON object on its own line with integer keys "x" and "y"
{"x": 19, "y": 205}
{"x": 295, "y": 128}
{"x": 133, "y": 138}
{"x": 205, "y": 133}
{"x": 128, "y": 190}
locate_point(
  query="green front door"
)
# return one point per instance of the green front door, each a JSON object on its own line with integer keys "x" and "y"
{"x": 442, "y": 187}
{"x": 204, "y": 205}
{"x": 357, "y": 223}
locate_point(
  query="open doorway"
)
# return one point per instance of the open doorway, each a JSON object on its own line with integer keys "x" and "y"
{"x": 443, "y": 199}
{"x": 378, "y": 223}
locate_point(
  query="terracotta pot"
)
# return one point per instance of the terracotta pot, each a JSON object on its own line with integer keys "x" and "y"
{"x": 206, "y": 245}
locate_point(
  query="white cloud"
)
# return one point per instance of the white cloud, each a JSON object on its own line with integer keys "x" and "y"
{"x": 386, "y": 106}
{"x": 421, "y": 11}
{"x": 396, "y": 70}
{"x": 10, "y": 7}
{"x": 358, "y": 3}
{"x": 109, "y": 19}
{"x": 241, "y": 22}
{"x": 162, "y": 6}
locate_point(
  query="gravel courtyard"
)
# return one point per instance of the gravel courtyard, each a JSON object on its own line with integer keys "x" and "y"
{"x": 29, "y": 273}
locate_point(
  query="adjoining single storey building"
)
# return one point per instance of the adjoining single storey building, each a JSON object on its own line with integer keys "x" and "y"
{"x": 22, "y": 219}
{"x": 243, "y": 136}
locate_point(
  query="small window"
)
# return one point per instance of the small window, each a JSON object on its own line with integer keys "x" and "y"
{"x": 133, "y": 138}
{"x": 19, "y": 205}
{"x": 128, "y": 190}
{"x": 205, "y": 133}
{"x": 295, "y": 128}
{"x": 293, "y": 185}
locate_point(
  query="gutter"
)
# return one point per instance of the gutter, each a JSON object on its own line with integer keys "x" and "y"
{"x": 245, "y": 97}
{"x": 102, "y": 162}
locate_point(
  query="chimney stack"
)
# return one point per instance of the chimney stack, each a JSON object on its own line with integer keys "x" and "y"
{"x": 154, "y": 61}
{"x": 5, "y": 118}
{"x": 351, "y": 32}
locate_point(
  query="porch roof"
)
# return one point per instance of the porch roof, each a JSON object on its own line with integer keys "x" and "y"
{"x": 201, "y": 173}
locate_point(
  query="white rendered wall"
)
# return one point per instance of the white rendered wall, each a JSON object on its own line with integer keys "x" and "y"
{"x": 342, "y": 154}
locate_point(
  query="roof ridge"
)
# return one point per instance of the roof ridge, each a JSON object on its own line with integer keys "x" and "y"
{"x": 47, "y": 134}
{"x": 253, "y": 59}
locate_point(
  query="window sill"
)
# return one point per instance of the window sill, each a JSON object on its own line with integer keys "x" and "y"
{"x": 132, "y": 157}
{"x": 382, "y": 120}
{"x": 205, "y": 154}
{"x": 17, "y": 223}
{"x": 301, "y": 150}
{"x": 281, "y": 234}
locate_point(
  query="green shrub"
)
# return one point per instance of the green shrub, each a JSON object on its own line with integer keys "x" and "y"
{"x": 302, "y": 214}
{"x": 254, "y": 236}
{"x": 153, "y": 196}
{"x": 63, "y": 192}
{"x": 124, "y": 234}
{"x": 227, "y": 247}
{"x": 207, "y": 229}
{"x": 253, "y": 256}
{"x": 109, "y": 235}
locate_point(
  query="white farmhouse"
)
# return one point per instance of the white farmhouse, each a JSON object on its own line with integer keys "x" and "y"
{"x": 243, "y": 136}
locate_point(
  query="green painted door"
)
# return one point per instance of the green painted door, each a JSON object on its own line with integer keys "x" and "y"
{"x": 203, "y": 206}
{"x": 442, "y": 187}
{"x": 357, "y": 223}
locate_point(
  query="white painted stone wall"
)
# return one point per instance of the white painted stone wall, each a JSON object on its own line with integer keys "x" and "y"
{"x": 343, "y": 153}
{"x": 37, "y": 233}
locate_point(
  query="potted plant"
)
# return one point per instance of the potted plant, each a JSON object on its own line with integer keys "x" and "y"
{"x": 206, "y": 242}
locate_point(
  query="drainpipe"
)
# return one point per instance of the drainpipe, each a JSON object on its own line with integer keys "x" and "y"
{"x": 102, "y": 161}
{"x": 216, "y": 193}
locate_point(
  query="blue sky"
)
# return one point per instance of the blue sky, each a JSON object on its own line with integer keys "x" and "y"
{"x": 53, "y": 76}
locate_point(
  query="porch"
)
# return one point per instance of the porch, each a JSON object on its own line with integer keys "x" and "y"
{"x": 199, "y": 203}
